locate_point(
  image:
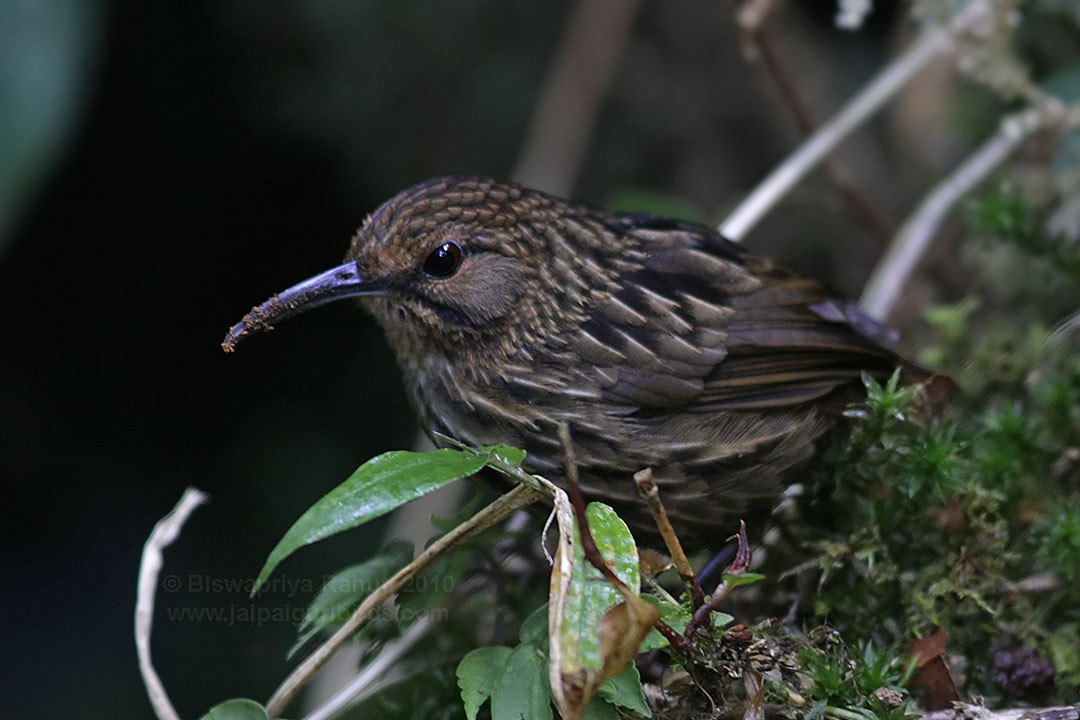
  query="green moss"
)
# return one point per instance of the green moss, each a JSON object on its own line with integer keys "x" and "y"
{"x": 968, "y": 521}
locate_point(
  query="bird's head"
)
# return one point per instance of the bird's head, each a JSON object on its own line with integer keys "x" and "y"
{"x": 448, "y": 263}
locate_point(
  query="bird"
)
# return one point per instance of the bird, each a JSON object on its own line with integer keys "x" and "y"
{"x": 658, "y": 342}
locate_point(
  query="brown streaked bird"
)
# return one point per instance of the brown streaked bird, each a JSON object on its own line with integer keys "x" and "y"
{"x": 659, "y": 342}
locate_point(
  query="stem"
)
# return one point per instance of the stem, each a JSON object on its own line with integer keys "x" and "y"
{"x": 163, "y": 535}
{"x": 588, "y": 544}
{"x": 911, "y": 242}
{"x": 494, "y": 513}
{"x": 804, "y": 119}
{"x": 365, "y": 681}
{"x": 738, "y": 566}
{"x": 883, "y": 87}
{"x": 651, "y": 495}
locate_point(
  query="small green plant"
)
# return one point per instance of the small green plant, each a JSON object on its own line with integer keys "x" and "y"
{"x": 1057, "y": 541}
{"x": 951, "y": 522}
{"x": 845, "y": 684}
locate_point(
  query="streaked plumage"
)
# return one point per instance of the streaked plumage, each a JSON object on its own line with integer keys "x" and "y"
{"x": 660, "y": 343}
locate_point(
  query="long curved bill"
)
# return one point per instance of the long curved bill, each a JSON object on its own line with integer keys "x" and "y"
{"x": 341, "y": 282}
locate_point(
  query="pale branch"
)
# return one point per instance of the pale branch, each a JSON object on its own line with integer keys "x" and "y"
{"x": 494, "y": 513}
{"x": 963, "y": 711}
{"x": 367, "y": 680}
{"x": 911, "y": 242}
{"x": 811, "y": 153}
{"x": 572, "y": 93}
{"x": 164, "y": 533}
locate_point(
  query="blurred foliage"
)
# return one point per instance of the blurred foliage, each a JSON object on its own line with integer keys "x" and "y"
{"x": 232, "y": 143}
{"x": 48, "y": 53}
{"x": 914, "y": 520}
{"x": 970, "y": 521}
{"x": 647, "y": 202}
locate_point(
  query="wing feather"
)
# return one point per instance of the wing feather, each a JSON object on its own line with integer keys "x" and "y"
{"x": 703, "y": 326}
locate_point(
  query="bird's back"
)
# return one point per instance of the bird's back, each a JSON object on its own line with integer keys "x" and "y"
{"x": 710, "y": 365}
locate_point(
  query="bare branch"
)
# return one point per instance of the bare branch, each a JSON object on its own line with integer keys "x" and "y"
{"x": 163, "y": 535}
{"x": 570, "y": 99}
{"x": 494, "y": 513}
{"x": 811, "y": 153}
{"x": 367, "y": 681}
{"x": 913, "y": 239}
{"x": 648, "y": 491}
{"x": 759, "y": 35}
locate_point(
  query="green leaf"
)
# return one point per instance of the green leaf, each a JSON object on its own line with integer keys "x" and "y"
{"x": 590, "y": 597}
{"x": 500, "y": 457}
{"x": 534, "y": 630}
{"x": 677, "y": 616}
{"x": 599, "y": 709}
{"x": 477, "y": 674}
{"x": 741, "y": 579}
{"x": 380, "y": 485}
{"x": 522, "y": 692}
{"x": 722, "y": 619}
{"x": 509, "y": 456}
{"x": 236, "y": 709}
{"x": 625, "y": 691}
{"x": 342, "y": 593}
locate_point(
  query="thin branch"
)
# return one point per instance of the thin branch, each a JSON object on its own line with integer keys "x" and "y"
{"x": 577, "y": 501}
{"x": 588, "y": 544}
{"x": 366, "y": 681}
{"x": 913, "y": 239}
{"x": 1068, "y": 712}
{"x": 648, "y": 491}
{"x": 858, "y": 205}
{"x": 573, "y": 90}
{"x": 494, "y": 513}
{"x": 810, "y": 154}
{"x": 800, "y": 112}
{"x": 163, "y": 535}
{"x": 739, "y": 565}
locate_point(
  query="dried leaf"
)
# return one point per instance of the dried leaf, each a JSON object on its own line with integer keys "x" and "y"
{"x": 595, "y": 628}
{"x": 933, "y": 674}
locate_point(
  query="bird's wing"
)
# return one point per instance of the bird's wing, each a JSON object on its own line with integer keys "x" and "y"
{"x": 705, "y": 326}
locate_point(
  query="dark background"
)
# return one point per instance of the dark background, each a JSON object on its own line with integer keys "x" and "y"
{"x": 203, "y": 155}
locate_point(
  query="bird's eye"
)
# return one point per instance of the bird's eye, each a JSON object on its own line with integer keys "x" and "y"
{"x": 443, "y": 261}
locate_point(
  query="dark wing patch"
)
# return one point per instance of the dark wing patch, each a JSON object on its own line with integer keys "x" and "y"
{"x": 705, "y": 327}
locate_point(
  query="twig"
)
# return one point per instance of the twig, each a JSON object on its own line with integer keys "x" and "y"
{"x": 366, "y": 681}
{"x": 759, "y": 34}
{"x": 761, "y": 38}
{"x": 494, "y": 513}
{"x": 565, "y": 113}
{"x": 588, "y": 544}
{"x": 650, "y": 494}
{"x": 738, "y": 565}
{"x": 885, "y": 85}
{"x": 163, "y": 534}
{"x": 1067, "y": 712}
{"x": 913, "y": 239}
{"x": 577, "y": 501}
